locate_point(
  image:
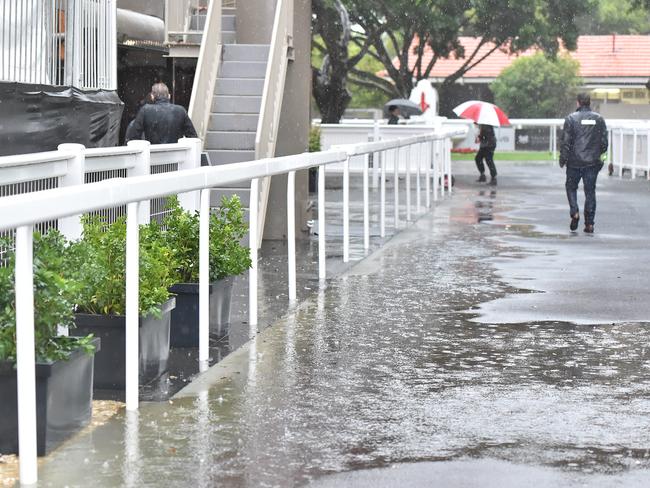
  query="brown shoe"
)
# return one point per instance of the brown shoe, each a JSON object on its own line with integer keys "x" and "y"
{"x": 574, "y": 222}
{"x": 589, "y": 229}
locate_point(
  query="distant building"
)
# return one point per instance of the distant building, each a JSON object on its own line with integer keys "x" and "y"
{"x": 615, "y": 69}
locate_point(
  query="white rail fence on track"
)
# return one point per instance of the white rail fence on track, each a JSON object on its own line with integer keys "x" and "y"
{"x": 426, "y": 156}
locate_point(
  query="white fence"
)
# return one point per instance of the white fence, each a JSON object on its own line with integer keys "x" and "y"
{"x": 59, "y": 43}
{"x": 22, "y": 212}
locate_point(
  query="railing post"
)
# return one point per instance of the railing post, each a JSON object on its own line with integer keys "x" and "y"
{"x": 382, "y": 195}
{"x": 204, "y": 279}
{"x": 366, "y": 204}
{"x": 620, "y": 152}
{"x": 253, "y": 244}
{"x": 436, "y": 168}
{"x": 291, "y": 233}
{"x": 132, "y": 305}
{"x": 647, "y": 153}
{"x": 346, "y": 210}
{"x": 448, "y": 160}
{"x": 190, "y": 201}
{"x": 396, "y": 154}
{"x": 418, "y": 175}
{"x": 408, "y": 182}
{"x": 25, "y": 355}
{"x": 322, "y": 271}
{"x": 427, "y": 172}
{"x": 376, "y": 156}
{"x": 142, "y": 168}
{"x": 634, "y": 151}
{"x": 71, "y": 226}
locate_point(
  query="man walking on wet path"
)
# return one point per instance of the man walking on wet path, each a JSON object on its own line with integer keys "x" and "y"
{"x": 584, "y": 141}
{"x": 488, "y": 144}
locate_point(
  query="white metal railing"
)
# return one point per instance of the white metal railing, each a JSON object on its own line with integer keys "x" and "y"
{"x": 182, "y": 19}
{"x": 59, "y": 43}
{"x": 629, "y": 149}
{"x": 280, "y": 53}
{"x": 429, "y": 154}
{"x": 207, "y": 68}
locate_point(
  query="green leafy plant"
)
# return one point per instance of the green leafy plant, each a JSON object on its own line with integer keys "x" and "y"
{"x": 314, "y": 139}
{"x": 180, "y": 231}
{"x": 97, "y": 263}
{"x": 54, "y": 293}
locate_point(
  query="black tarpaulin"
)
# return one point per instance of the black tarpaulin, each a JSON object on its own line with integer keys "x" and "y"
{"x": 36, "y": 118}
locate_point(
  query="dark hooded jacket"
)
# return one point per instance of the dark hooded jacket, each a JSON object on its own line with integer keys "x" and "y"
{"x": 161, "y": 123}
{"x": 584, "y": 139}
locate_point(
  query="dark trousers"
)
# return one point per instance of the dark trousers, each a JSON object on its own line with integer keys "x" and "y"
{"x": 486, "y": 153}
{"x": 588, "y": 175}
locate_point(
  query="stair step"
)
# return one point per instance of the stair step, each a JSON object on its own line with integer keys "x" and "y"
{"x": 230, "y": 140}
{"x": 243, "y": 69}
{"x": 239, "y": 86}
{"x": 237, "y": 104}
{"x": 246, "y": 52}
{"x": 233, "y": 122}
{"x": 225, "y": 156}
{"x": 228, "y": 37}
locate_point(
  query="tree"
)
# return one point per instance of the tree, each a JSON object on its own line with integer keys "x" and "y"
{"x": 390, "y": 31}
{"x": 615, "y": 16}
{"x": 538, "y": 86}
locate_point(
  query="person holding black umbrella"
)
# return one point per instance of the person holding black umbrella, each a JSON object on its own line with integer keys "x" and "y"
{"x": 394, "y": 113}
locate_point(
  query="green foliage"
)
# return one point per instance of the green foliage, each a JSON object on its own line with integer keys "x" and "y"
{"x": 54, "y": 294}
{"x": 97, "y": 263}
{"x": 180, "y": 232}
{"x": 314, "y": 139}
{"x": 615, "y": 16}
{"x": 538, "y": 86}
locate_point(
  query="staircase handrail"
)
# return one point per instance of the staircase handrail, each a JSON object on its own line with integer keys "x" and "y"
{"x": 207, "y": 68}
{"x": 271, "y": 108}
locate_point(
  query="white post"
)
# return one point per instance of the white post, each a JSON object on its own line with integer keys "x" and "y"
{"x": 376, "y": 157}
{"x": 436, "y": 168}
{"x": 609, "y": 148}
{"x": 132, "y": 305}
{"x": 366, "y": 204}
{"x": 620, "y": 153}
{"x": 190, "y": 201}
{"x": 382, "y": 196}
{"x": 346, "y": 210}
{"x": 427, "y": 173}
{"x": 634, "y": 151}
{"x": 647, "y": 153}
{"x": 142, "y": 168}
{"x": 71, "y": 226}
{"x": 408, "y": 183}
{"x": 25, "y": 356}
{"x": 447, "y": 157}
{"x": 418, "y": 175}
{"x": 396, "y": 155}
{"x": 253, "y": 241}
{"x": 554, "y": 142}
{"x": 204, "y": 280}
{"x": 322, "y": 271}
{"x": 291, "y": 233}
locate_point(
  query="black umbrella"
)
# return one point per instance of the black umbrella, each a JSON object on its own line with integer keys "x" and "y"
{"x": 406, "y": 107}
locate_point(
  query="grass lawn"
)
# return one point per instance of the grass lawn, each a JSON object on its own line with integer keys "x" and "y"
{"x": 509, "y": 156}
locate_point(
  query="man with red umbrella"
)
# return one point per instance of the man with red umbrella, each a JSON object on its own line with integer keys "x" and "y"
{"x": 487, "y": 116}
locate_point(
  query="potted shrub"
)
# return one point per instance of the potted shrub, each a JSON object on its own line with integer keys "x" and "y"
{"x": 98, "y": 263}
{"x": 228, "y": 258}
{"x": 64, "y": 365}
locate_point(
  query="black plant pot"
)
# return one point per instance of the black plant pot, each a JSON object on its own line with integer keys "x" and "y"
{"x": 185, "y": 317}
{"x": 110, "y": 369}
{"x": 64, "y": 395}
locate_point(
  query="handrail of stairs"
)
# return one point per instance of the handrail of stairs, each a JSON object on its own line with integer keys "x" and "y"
{"x": 269, "y": 121}
{"x": 207, "y": 67}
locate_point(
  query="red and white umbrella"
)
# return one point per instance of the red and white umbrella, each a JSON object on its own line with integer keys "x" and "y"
{"x": 482, "y": 113}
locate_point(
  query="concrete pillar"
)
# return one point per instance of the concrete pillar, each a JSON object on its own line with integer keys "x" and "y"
{"x": 293, "y": 134}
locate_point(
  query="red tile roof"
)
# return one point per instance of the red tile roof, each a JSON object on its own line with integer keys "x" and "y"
{"x": 599, "y": 57}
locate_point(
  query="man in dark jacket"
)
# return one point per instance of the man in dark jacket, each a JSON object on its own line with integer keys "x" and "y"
{"x": 161, "y": 122}
{"x": 584, "y": 141}
{"x": 488, "y": 144}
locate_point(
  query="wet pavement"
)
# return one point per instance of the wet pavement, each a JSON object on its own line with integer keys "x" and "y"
{"x": 485, "y": 346}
